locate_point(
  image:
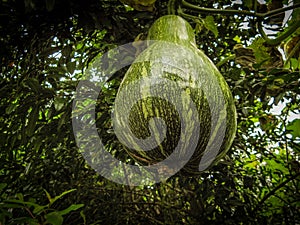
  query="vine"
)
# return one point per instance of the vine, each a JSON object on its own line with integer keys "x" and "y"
{"x": 176, "y": 6}
{"x": 172, "y": 7}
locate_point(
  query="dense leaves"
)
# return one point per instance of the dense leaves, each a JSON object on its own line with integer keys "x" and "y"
{"x": 45, "y": 47}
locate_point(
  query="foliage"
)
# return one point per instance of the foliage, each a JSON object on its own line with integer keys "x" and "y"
{"x": 13, "y": 211}
{"x": 45, "y": 47}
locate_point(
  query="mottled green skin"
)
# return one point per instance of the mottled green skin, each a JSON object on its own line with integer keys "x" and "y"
{"x": 176, "y": 30}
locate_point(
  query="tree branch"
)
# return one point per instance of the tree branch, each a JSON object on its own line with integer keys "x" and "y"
{"x": 261, "y": 17}
{"x": 280, "y": 38}
{"x": 218, "y": 11}
{"x": 273, "y": 191}
{"x": 237, "y": 12}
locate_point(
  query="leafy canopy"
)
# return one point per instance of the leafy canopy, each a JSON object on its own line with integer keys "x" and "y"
{"x": 45, "y": 47}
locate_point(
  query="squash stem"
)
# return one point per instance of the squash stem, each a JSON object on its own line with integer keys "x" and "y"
{"x": 171, "y": 7}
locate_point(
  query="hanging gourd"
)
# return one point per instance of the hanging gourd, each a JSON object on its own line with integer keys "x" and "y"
{"x": 173, "y": 104}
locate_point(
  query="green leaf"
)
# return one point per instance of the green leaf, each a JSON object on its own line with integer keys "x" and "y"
{"x": 54, "y": 218}
{"x": 251, "y": 165}
{"x": 295, "y": 64}
{"x": 278, "y": 98}
{"x": 248, "y": 4}
{"x": 32, "y": 120}
{"x": 50, "y": 5}
{"x": 210, "y": 25}
{"x": 60, "y": 196}
{"x": 20, "y": 196}
{"x": 2, "y": 186}
{"x": 33, "y": 84}
{"x": 38, "y": 209}
{"x": 261, "y": 52}
{"x": 79, "y": 46}
{"x": 25, "y": 220}
{"x": 48, "y": 195}
{"x": 294, "y": 128}
{"x": 66, "y": 51}
{"x": 59, "y": 103}
{"x": 71, "y": 66}
{"x": 199, "y": 25}
{"x": 276, "y": 166}
{"x": 22, "y": 202}
{"x": 72, "y": 207}
{"x": 11, "y": 108}
{"x": 10, "y": 205}
{"x": 237, "y": 39}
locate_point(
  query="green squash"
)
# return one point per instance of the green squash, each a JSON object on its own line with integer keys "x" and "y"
{"x": 173, "y": 95}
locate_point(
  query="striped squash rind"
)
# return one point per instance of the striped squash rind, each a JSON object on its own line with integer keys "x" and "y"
{"x": 176, "y": 31}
